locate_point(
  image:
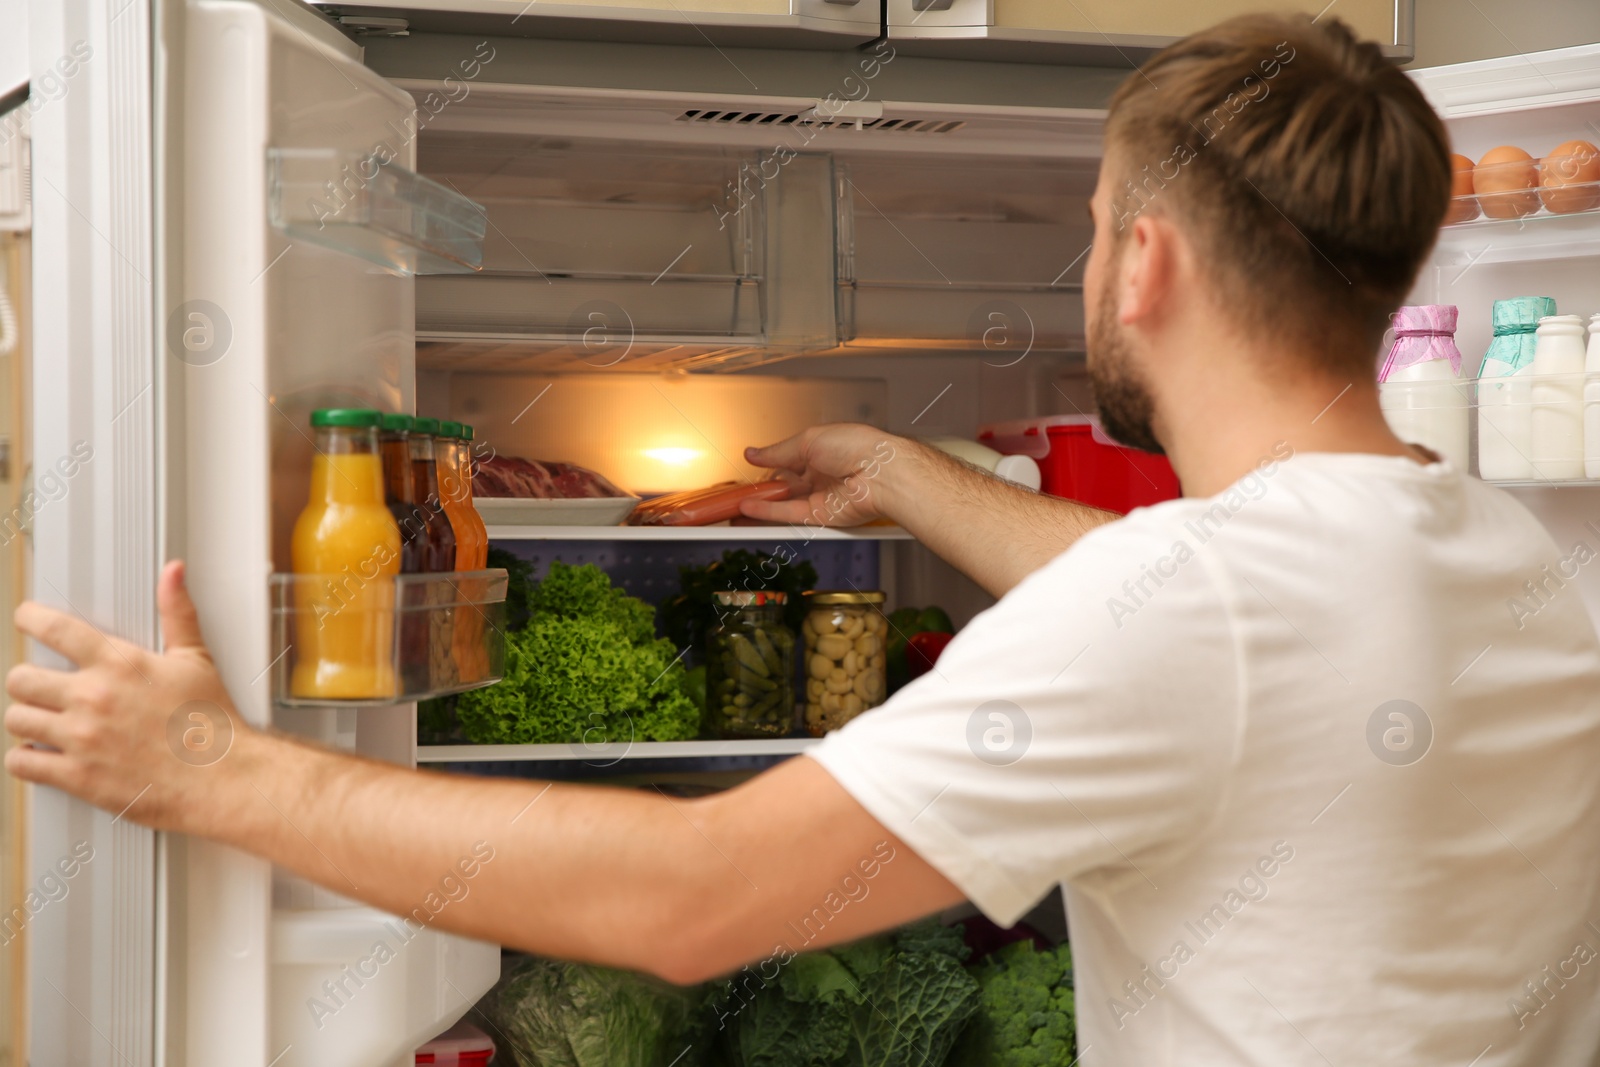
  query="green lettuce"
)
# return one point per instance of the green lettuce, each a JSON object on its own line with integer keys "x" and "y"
{"x": 546, "y": 1013}
{"x": 587, "y": 668}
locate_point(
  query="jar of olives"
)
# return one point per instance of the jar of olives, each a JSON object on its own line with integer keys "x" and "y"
{"x": 750, "y": 666}
{"x": 844, "y": 635}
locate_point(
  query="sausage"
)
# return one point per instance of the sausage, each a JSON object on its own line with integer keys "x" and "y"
{"x": 702, "y": 507}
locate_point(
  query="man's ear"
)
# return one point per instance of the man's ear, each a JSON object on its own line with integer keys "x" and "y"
{"x": 1147, "y": 268}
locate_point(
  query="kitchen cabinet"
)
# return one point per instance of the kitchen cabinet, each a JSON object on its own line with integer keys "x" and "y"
{"x": 768, "y": 23}
{"x": 1106, "y": 32}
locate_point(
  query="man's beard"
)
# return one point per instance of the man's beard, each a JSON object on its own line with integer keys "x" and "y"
{"x": 1125, "y": 406}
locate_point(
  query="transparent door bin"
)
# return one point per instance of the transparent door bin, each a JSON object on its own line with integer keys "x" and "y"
{"x": 1434, "y": 414}
{"x": 1519, "y": 430}
{"x": 344, "y": 641}
{"x": 1539, "y": 203}
{"x": 1534, "y": 189}
{"x": 378, "y": 211}
{"x": 1538, "y": 430}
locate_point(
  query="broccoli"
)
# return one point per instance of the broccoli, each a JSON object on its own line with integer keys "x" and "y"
{"x": 1026, "y": 1016}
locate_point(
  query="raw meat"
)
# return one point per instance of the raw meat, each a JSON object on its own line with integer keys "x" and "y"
{"x": 513, "y": 476}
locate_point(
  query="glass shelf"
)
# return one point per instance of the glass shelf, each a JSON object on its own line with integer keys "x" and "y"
{"x": 1588, "y": 483}
{"x": 380, "y": 212}
{"x": 696, "y": 533}
{"x": 684, "y": 768}
{"x": 612, "y": 753}
{"x": 345, "y": 641}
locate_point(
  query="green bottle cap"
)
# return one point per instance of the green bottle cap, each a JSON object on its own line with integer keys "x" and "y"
{"x": 395, "y": 422}
{"x": 449, "y": 429}
{"x": 466, "y": 432}
{"x": 356, "y": 417}
{"x": 427, "y": 426}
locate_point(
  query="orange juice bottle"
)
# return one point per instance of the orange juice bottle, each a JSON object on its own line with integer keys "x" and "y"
{"x": 472, "y": 551}
{"x": 455, "y": 491}
{"x": 348, "y": 540}
{"x": 467, "y": 466}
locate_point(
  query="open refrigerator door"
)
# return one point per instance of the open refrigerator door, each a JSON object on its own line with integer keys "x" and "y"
{"x": 1542, "y": 244}
{"x": 293, "y": 225}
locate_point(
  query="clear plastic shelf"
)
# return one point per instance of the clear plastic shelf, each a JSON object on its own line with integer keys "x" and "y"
{"x": 1535, "y": 209}
{"x": 344, "y": 641}
{"x": 379, "y": 211}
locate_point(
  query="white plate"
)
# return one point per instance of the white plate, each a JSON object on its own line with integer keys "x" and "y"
{"x": 576, "y": 511}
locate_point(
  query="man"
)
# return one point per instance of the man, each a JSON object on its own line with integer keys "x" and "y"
{"x": 1312, "y": 792}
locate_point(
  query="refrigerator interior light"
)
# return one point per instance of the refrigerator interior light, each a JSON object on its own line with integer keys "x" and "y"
{"x": 675, "y": 457}
{"x": 657, "y": 434}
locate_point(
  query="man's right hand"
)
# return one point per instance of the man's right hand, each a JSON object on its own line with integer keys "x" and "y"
{"x": 843, "y": 475}
{"x": 846, "y": 474}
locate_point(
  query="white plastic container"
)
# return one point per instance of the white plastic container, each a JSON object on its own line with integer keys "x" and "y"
{"x": 1591, "y": 403}
{"x": 1505, "y": 427}
{"x": 1558, "y": 387}
{"x": 1019, "y": 470}
{"x": 1426, "y": 404}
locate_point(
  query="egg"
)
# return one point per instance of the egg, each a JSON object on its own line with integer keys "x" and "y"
{"x": 1569, "y": 178}
{"x": 1463, "y": 207}
{"x": 1499, "y": 179}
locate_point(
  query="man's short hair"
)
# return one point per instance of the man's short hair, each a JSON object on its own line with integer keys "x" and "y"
{"x": 1309, "y": 172}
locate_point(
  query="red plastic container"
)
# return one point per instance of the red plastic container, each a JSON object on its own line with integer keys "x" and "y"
{"x": 1078, "y": 461}
{"x": 463, "y": 1045}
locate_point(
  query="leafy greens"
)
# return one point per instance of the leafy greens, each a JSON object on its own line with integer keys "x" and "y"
{"x": 587, "y": 668}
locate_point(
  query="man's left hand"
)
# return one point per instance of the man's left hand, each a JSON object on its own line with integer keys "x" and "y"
{"x": 130, "y": 730}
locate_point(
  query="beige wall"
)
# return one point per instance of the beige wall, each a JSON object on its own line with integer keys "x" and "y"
{"x": 1456, "y": 31}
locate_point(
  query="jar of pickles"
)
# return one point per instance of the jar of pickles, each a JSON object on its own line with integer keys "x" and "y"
{"x": 750, "y": 666}
{"x": 844, "y": 646}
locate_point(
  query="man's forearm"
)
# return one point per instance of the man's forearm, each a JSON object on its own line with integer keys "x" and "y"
{"x": 538, "y": 866}
{"x": 992, "y": 531}
{"x": 684, "y": 889}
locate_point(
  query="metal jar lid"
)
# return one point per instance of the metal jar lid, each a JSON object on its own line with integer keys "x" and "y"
{"x": 844, "y": 596}
{"x": 748, "y": 598}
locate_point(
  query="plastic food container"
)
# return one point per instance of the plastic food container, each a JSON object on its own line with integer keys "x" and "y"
{"x": 1079, "y": 462}
{"x": 844, "y": 634}
{"x": 463, "y": 1045}
{"x": 750, "y": 666}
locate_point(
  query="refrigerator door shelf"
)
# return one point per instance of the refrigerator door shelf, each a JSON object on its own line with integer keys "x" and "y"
{"x": 373, "y": 209}
{"x": 1539, "y": 235}
{"x": 413, "y": 637}
{"x": 357, "y": 987}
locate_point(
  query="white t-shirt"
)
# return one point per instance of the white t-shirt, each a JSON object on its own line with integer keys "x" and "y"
{"x": 1318, "y": 768}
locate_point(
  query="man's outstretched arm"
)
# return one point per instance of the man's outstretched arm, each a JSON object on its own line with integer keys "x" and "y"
{"x": 992, "y": 531}
{"x": 685, "y": 889}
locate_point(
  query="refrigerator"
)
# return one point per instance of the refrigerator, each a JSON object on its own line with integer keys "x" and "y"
{"x": 612, "y": 254}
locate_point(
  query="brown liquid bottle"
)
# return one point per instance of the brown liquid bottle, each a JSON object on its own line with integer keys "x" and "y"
{"x": 395, "y": 448}
{"x": 440, "y": 554}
